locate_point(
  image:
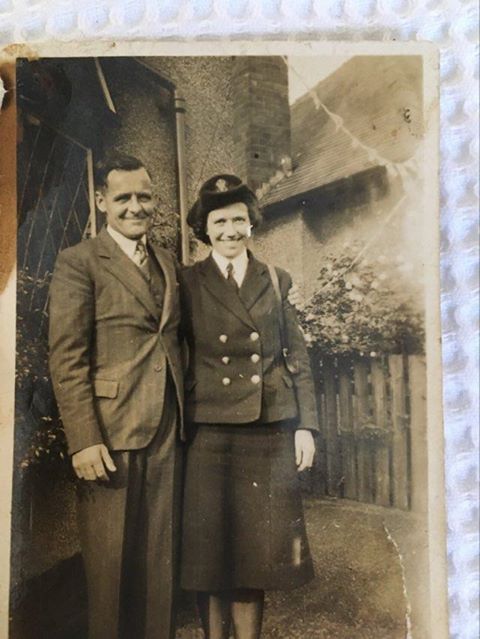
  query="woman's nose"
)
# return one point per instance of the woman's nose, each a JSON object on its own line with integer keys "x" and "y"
{"x": 230, "y": 228}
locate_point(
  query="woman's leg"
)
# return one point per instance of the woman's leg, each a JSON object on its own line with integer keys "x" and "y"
{"x": 214, "y": 610}
{"x": 247, "y": 613}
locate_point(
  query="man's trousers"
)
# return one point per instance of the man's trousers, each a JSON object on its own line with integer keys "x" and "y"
{"x": 129, "y": 535}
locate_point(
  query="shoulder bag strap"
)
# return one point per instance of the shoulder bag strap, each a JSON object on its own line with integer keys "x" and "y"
{"x": 281, "y": 318}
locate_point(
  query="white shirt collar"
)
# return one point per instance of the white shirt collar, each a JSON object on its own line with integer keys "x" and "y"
{"x": 240, "y": 265}
{"x": 127, "y": 245}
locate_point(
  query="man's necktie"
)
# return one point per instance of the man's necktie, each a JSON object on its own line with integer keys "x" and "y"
{"x": 230, "y": 279}
{"x": 140, "y": 256}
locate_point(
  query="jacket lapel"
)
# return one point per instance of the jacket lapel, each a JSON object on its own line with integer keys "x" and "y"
{"x": 223, "y": 291}
{"x": 257, "y": 279}
{"x": 125, "y": 271}
{"x": 170, "y": 284}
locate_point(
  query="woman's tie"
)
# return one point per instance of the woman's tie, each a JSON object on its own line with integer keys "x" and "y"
{"x": 230, "y": 278}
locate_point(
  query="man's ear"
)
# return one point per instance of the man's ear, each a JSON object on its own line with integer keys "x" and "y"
{"x": 100, "y": 200}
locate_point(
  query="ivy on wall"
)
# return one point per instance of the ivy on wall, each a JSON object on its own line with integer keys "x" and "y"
{"x": 40, "y": 443}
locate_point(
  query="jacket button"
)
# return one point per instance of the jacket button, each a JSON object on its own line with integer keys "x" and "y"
{"x": 226, "y": 360}
{"x": 254, "y": 336}
{"x": 223, "y": 338}
{"x": 255, "y": 358}
{"x": 158, "y": 368}
{"x": 255, "y": 379}
{"x": 226, "y": 381}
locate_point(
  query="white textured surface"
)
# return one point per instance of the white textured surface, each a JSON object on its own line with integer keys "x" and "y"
{"x": 453, "y": 25}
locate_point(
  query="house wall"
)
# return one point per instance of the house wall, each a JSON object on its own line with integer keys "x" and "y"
{"x": 280, "y": 242}
{"x": 363, "y": 214}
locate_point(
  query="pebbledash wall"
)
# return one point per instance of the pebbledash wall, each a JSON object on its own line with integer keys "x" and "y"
{"x": 148, "y": 125}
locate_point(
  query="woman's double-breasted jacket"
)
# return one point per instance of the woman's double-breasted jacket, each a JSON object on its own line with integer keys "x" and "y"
{"x": 236, "y": 371}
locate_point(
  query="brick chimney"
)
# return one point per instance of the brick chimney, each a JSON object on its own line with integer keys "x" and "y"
{"x": 261, "y": 118}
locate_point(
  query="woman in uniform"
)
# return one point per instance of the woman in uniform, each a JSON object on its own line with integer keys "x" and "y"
{"x": 251, "y": 409}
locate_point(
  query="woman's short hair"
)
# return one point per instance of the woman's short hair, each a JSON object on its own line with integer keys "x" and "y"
{"x": 216, "y": 193}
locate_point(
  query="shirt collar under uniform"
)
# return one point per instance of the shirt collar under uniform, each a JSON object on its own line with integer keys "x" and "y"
{"x": 127, "y": 245}
{"x": 240, "y": 265}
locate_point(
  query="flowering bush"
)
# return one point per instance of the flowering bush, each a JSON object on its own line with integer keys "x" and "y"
{"x": 360, "y": 307}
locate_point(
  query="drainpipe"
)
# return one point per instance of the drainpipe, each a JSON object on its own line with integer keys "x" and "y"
{"x": 182, "y": 176}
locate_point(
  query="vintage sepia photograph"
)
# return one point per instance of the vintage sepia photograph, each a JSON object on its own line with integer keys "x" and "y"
{"x": 227, "y": 369}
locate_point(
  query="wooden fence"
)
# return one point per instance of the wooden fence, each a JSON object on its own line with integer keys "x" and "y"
{"x": 372, "y": 446}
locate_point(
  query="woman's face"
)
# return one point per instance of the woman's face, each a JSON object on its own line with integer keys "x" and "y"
{"x": 229, "y": 229}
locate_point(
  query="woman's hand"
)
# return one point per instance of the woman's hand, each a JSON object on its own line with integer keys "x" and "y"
{"x": 304, "y": 449}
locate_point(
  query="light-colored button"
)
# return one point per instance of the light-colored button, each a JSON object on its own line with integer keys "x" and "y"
{"x": 255, "y": 358}
{"x": 158, "y": 368}
{"x": 226, "y": 359}
{"x": 255, "y": 379}
{"x": 254, "y": 336}
{"x": 223, "y": 338}
{"x": 226, "y": 381}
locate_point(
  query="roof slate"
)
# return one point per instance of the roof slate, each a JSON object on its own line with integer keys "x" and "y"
{"x": 379, "y": 101}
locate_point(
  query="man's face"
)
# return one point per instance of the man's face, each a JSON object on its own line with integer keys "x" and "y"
{"x": 229, "y": 229}
{"x": 127, "y": 201}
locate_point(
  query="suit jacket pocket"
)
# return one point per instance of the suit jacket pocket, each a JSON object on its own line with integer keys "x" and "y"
{"x": 105, "y": 388}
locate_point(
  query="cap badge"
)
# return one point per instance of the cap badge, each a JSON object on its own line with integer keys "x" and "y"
{"x": 221, "y": 185}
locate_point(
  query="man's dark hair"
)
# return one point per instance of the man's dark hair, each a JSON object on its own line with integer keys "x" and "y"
{"x": 115, "y": 161}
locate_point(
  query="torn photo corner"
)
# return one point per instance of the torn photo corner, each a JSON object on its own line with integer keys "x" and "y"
{"x": 335, "y": 147}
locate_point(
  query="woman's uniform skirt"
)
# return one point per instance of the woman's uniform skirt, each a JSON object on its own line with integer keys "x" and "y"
{"x": 243, "y": 524}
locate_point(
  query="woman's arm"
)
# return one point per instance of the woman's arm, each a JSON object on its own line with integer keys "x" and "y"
{"x": 303, "y": 379}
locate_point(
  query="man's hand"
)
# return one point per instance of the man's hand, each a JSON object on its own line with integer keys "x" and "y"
{"x": 304, "y": 449}
{"x": 295, "y": 297}
{"x": 93, "y": 462}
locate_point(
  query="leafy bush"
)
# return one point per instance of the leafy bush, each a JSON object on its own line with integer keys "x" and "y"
{"x": 361, "y": 307}
{"x": 39, "y": 435}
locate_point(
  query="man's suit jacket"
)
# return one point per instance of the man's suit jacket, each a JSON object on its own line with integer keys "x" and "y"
{"x": 110, "y": 346}
{"x": 236, "y": 370}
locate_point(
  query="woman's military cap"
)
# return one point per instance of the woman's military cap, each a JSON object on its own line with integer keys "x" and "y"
{"x": 217, "y": 192}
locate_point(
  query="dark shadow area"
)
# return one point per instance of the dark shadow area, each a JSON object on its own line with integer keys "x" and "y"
{"x": 53, "y": 605}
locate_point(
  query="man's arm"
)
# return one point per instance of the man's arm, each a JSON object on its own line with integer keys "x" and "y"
{"x": 70, "y": 339}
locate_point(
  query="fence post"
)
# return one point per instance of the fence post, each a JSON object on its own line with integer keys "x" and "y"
{"x": 331, "y": 429}
{"x": 418, "y": 432}
{"x": 345, "y": 405}
{"x": 362, "y": 413}
{"x": 400, "y": 441}
{"x": 317, "y": 480}
{"x": 382, "y": 445}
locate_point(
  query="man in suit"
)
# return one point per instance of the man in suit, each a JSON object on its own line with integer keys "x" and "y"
{"x": 116, "y": 368}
